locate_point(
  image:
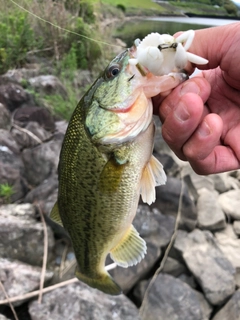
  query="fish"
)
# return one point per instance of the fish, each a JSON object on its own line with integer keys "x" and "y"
{"x": 106, "y": 163}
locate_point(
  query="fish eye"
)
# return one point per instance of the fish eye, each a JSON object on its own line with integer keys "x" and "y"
{"x": 113, "y": 71}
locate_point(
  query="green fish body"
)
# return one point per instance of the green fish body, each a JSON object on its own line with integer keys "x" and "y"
{"x": 105, "y": 164}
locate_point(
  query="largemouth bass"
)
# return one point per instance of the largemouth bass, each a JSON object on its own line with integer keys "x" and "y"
{"x": 106, "y": 162}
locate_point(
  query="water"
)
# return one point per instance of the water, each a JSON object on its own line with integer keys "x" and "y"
{"x": 138, "y": 29}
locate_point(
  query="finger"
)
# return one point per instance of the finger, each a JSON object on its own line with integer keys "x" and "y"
{"x": 196, "y": 85}
{"x": 204, "y": 150}
{"x": 182, "y": 121}
{"x": 205, "y": 138}
{"x": 221, "y": 159}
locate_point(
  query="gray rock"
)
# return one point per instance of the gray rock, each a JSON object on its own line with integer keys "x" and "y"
{"x": 212, "y": 270}
{"x": 2, "y": 317}
{"x": 61, "y": 126}
{"x": 19, "y": 278}
{"x": 168, "y": 202}
{"x": 11, "y": 172}
{"x": 32, "y": 135}
{"x": 170, "y": 298}
{"x": 13, "y": 96}
{"x": 79, "y": 302}
{"x": 174, "y": 267}
{"x": 21, "y": 236}
{"x": 188, "y": 279}
{"x": 210, "y": 214}
{"x": 5, "y": 117}
{"x": 222, "y": 181}
{"x": 42, "y": 161}
{"x": 230, "y": 203}
{"x": 230, "y": 247}
{"x": 156, "y": 229}
{"x": 7, "y": 140}
{"x": 198, "y": 182}
{"x": 231, "y": 310}
{"x": 48, "y": 84}
{"x": 236, "y": 227}
{"x": 35, "y": 114}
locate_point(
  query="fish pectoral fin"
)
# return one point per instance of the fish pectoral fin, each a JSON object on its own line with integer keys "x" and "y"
{"x": 153, "y": 175}
{"x": 55, "y": 216}
{"x": 130, "y": 250}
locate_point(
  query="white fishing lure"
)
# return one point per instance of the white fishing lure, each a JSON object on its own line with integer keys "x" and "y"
{"x": 162, "y": 53}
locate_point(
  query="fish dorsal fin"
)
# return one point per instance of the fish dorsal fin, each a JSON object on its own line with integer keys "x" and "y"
{"x": 130, "y": 250}
{"x": 153, "y": 175}
{"x": 55, "y": 216}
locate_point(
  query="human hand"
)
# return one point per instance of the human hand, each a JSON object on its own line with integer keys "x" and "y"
{"x": 201, "y": 117}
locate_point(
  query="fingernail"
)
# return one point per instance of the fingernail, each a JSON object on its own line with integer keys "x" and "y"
{"x": 204, "y": 130}
{"x": 189, "y": 87}
{"x": 181, "y": 112}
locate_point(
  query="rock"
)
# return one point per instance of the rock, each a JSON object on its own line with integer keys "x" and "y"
{"x": 230, "y": 203}
{"x": 12, "y": 171}
{"x": 42, "y": 161}
{"x": 5, "y": 117}
{"x": 173, "y": 267}
{"x": 2, "y": 317}
{"x": 231, "y": 310}
{"x": 77, "y": 301}
{"x": 188, "y": 279}
{"x": 212, "y": 270}
{"x": 170, "y": 298}
{"x": 37, "y": 114}
{"x": 21, "y": 236}
{"x": 13, "y": 96}
{"x": 230, "y": 247}
{"x": 222, "y": 181}
{"x": 32, "y": 135}
{"x": 197, "y": 181}
{"x": 61, "y": 126}
{"x": 168, "y": 202}
{"x": 156, "y": 229}
{"x": 48, "y": 84}
{"x": 6, "y": 139}
{"x": 210, "y": 214}
{"x": 19, "y": 278}
{"x": 236, "y": 227}
{"x": 20, "y": 75}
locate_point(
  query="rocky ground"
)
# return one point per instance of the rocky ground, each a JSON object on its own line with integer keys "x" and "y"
{"x": 201, "y": 277}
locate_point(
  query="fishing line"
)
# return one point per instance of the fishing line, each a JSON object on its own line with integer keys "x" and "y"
{"x": 63, "y": 29}
{"x": 169, "y": 247}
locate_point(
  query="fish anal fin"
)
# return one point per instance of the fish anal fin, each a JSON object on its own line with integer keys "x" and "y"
{"x": 103, "y": 282}
{"x": 153, "y": 175}
{"x": 130, "y": 250}
{"x": 55, "y": 216}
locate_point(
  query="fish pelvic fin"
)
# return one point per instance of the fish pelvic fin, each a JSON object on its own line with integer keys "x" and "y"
{"x": 153, "y": 175}
{"x": 103, "y": 282}
{"x": 55, "y": 216}
{"x": 130, "y": 250}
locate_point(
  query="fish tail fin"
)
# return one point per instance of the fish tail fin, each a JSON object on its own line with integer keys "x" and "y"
{"x": 102, "y": 282}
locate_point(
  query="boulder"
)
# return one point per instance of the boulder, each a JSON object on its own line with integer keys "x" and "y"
{"x": 212, "y": 270}
{"x": 231, "y": 310}
{"x": 170, "y": 298}
{"x": 167, "y": 201}
{"x": 48, "y": 84}
{"x": 230, "y": 203}
{"x": 236, "y": 227}
{"x": 210, "y": 213}
{"x": 80, "y": 302}
{"x": 13, "y": 96}
{"x": 21, "y": 235}
{"x": 19, "y": 278}
{"x": 12, "y": 170}
{"x": 5, "y": 117}
{"x": 42, "y": 161}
